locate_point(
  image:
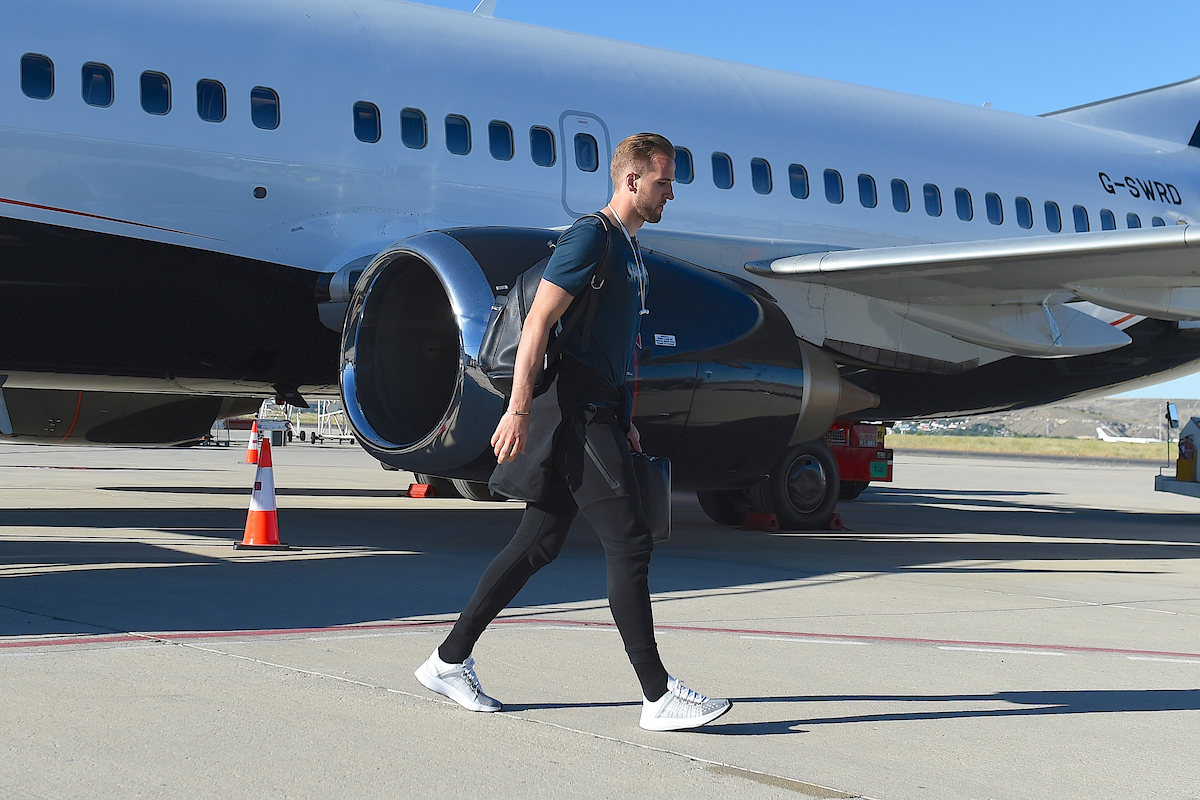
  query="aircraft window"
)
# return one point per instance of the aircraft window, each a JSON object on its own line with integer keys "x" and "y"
{"x": 684, "y": 172}
{"x": 1157, "y": 222}
{"x": 867, "y": 195}
{"x": 1108, "y": 222}
{"x": 37, "y": 76}
{"x": 1081, "y": 219}
{"x": 210, "y": 101}
{"x": 97, "y": 85}
{"x": 414, "y": 132}
{"x": 366, "y": 122}
{"x": 933, "y": 200}
{"x": 156, "y": 93}
{"x": 834, "y": 192}
{"x": 1024, "y": 213}
{"x": 541, "y": 146}
{"x": 995, "y": 209}
{"x": 900, "y": 198}
{"x": 722, "y": 166}
{"x": 264, "y": 108}
{"x": 500, "y": 140}
{"x": 962, "y": 204}
{"x": 458, "y": 134}
{"x": 1133, "y": 221}
{"x": 760, "y": 175}
{"x": 587, "y": 152}
{"x": 798, "y": 181}
{"x": 1053, "y": 217}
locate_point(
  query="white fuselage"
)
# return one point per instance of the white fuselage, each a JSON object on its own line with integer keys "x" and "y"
{"x": 331, "y": 198}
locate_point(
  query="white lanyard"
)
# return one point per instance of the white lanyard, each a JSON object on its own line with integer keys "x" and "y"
{"x": 642, "y": 277}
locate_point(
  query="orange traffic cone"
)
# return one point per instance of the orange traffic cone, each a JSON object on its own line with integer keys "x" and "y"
{"x": 252, "y": 448}
{"x": 262, "y": 522}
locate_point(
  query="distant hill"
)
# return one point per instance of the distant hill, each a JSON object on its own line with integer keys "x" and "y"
{"x": 1136, "y": 417}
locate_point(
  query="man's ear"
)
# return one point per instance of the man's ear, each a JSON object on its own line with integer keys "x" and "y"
{"x": 630, "y": 181}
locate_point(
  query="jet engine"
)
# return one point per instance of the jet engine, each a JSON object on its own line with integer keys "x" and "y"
{"x": 722, "y": 385}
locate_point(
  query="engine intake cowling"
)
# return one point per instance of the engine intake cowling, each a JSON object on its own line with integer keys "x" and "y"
{"x": 411, "y": 387}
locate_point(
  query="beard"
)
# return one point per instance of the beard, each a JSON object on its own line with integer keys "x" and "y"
{"x": 646, "y": 209}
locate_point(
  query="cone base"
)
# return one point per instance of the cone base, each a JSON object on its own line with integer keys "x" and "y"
{"x": 244, "y": 546}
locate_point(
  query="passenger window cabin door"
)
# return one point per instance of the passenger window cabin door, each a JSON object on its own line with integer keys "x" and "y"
{"x": 586, "y": 155}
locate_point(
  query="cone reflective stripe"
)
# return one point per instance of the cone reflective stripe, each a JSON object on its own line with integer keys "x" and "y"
{"x": 262, "y": 521}
{"x": 252, "y": 448}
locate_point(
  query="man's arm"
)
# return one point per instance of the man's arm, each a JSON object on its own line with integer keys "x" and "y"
{"x": 512, "y": 433}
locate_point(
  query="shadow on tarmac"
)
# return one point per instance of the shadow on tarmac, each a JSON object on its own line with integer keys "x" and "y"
{"x": 283, "y": 491}
{"x": 363, "y": 565}
{"x": 1026, "y": 703}
{"x": 1019, "y": 704}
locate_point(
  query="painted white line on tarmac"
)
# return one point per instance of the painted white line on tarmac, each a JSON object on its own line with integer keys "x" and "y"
{"x": 1151, "y": 610}
{"x": 1195, "y": 661}
{"x": 1002, "y": 650}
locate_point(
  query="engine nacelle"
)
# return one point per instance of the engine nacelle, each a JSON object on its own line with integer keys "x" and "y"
{"x": 722, "y": 384}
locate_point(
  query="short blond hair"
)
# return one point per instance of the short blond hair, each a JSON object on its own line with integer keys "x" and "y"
{"x": 638, "y": 151}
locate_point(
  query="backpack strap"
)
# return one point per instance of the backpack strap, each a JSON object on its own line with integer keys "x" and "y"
{"x": 599, "y": 276}
{"x": 590, "y": 302}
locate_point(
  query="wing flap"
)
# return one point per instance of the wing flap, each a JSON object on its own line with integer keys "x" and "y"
{"x": 1045, "y": 331}
{"x": 1178, "y": 303}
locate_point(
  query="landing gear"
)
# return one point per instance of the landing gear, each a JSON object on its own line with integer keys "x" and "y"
{"x": 474, "y": 490}
{"x": 801, "y": 491}
{"x": 447, "y": 488}
{"x": 442, "y": 487}
{"x": 726, "y": 506}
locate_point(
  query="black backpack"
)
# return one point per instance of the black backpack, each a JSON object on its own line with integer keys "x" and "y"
{"x": 498, "y": 351}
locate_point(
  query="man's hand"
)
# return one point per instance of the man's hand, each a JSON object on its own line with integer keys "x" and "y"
{"x": 635, "y": 438}
{"x": 512, "y": 432}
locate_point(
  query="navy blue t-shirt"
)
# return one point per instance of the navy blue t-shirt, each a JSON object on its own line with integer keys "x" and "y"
{"x": 615, "y": 330}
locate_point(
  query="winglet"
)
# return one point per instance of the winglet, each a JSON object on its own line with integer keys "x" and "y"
{"x": 486, "y": 8}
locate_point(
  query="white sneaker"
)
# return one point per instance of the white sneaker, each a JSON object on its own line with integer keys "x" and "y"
{"x": 457, "y": 682}
{"x": 680, "y": 708}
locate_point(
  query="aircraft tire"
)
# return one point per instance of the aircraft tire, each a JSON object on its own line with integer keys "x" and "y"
{"x": 802, "y": 490}
{"x": 725, "y": 506}
{"x": 850, "y": 490}
{"x": 474, "y": 490}
{"x": 442, "y": 487}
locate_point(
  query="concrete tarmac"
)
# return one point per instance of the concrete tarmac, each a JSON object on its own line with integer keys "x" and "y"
{"x": 983, "y": 629}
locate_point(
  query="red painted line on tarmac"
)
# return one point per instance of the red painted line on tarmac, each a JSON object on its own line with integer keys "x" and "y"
{"x": 844, "y": 637}
{"x": 202, "y": 635}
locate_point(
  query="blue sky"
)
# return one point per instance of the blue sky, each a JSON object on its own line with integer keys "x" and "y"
{"x": 1022, "y": 56}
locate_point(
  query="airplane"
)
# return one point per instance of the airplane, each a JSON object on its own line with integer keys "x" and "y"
{"x": 304, "y": 199}
{"x": 1105, "y": 436}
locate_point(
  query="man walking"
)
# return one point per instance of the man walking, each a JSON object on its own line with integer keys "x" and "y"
{"x": 579, "y": 435}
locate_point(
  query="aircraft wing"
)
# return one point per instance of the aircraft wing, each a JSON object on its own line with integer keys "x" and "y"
{"x": 1012, "y": 294}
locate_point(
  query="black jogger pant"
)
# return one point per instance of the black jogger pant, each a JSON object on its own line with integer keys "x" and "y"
{"x": 606, "y": 493}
